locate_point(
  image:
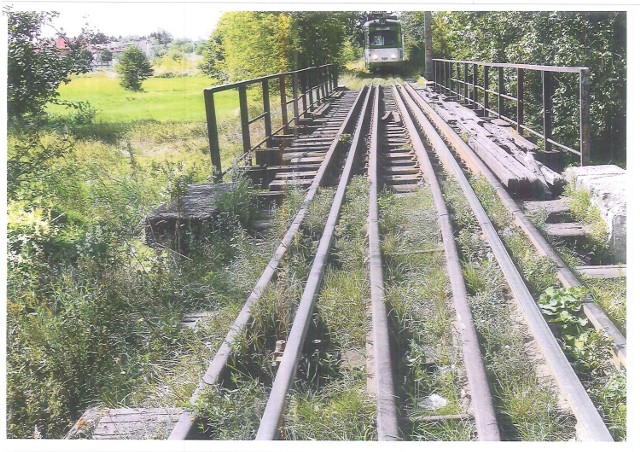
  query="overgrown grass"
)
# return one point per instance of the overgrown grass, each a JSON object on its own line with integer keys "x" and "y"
{"x": 252, "y": 367}
{"x": 429, "y": 367}
{"x": 329, "y": 399}
{"x": 527, "y": 404}
{"x": 586, "y": 213}
{"x": 611, "y": 295}
{"x": 589, "y": 351}
{"x": 93, "y": 312}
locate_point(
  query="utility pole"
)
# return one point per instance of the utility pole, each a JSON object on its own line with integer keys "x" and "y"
{"x": 428, "y": 47}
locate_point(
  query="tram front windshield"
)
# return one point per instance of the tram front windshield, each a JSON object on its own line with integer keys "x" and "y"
{"x": 383, "y": 38}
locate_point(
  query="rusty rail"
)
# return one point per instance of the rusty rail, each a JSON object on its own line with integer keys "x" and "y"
{"x": 309, "y": 87}
{"x": 270, "y": 422}
{"x": 185, "y": 427}
{"x": 581, "y": 404}
{"x": 460, "y": 79}
{"x": 483, "y": 408}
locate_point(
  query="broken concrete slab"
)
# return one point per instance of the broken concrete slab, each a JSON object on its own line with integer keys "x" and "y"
{"x": 606, "y": 185}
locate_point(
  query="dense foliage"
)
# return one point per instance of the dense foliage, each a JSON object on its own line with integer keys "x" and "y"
{"x": 35, "y": 66}
{"x": 134, "y": 67}
{"x": 248, "y": 44}
{"x": 596, "y": 40}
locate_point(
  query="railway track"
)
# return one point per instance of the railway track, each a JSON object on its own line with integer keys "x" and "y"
{"x": 384, "y": 130}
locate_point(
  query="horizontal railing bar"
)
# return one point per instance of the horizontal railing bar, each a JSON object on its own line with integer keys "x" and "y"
{"x": 251, "y": 121}
{"x": 562, "y": 146}
{"x": 215, "y": 89}
{"x": 534, "y": 67}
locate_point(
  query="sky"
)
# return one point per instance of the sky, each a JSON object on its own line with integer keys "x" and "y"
{"x": 183, "y": 20}
{"x": 195, "y": 19}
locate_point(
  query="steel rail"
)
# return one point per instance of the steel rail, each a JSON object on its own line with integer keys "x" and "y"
{"x": 383, "y": 364}
{"x": 581, "y": 404}
{"x": 482, "y": 402}
{"x": 271, "y": 418}
{"x": 567, "y": 278}
{"x": 213, "y": 375}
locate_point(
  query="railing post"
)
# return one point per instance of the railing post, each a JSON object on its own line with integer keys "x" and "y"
{"x": 244, "y": 120}
{"x": 475, "y": 86}
{"x": 335, "y": 76}
{"x": 520, "y": 100}
{"x": 585, "y": 123}
{"x": 303, "y": 91}
{"x": 267, "y": 112}
{"x": 325, "y": 77}
{"x": 212, "y": 132}
{"x": 318, "y": 77}
{"x": 310, "y": 81}
{"x": 466, "y": 82}
{"x": 486, "y": 90}
{"x": 451, "y": 84}
{"x": 547, "y": 108}
{"x": 458, "y": 77}
{"x": 500, "y": 92}
{"x": 283, "y": 103}
{"x": 296, "y": 109}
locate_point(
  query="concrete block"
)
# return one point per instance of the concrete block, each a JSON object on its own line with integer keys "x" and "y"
{"x": 607, "y": 187}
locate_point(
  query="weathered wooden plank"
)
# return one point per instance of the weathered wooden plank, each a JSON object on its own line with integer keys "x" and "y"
{"x": 499, "y": 132}
{"x": 281, "y": 183}
{"x": 401, "y": 178}
{"x": 297, "y": 175}
{"x": 125, "y": 423}
{"x": 566, "y": 230}
{"x": 143, "y": 428}
{"x": 603, "y": 271}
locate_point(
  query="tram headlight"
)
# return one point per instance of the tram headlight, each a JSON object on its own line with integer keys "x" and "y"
{"x": 374, "y": 56}
{"x": 393, "y": 56}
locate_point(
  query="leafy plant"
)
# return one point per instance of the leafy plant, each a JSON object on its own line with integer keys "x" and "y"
{"x": 564, "y": 306}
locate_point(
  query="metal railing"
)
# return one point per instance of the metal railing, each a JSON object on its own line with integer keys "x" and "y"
{"x": 308, "y": 88}
{"x": 460, "y": 79}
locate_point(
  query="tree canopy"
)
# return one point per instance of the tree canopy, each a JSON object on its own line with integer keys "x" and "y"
{"x": 250, "y": 43}
{"x": 35, "y": 66}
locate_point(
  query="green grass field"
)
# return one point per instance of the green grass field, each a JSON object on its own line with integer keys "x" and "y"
{"x": 176, "y": 99}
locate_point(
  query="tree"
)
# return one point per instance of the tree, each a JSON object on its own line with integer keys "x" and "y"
{"x": 162, "y": 36}
{"x": 105, "y": 56}
{"x": 134, "y": 67}
{"x": 35, "y": 66}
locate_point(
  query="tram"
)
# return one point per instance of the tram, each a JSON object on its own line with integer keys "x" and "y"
{"x": 383, "y": 43}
